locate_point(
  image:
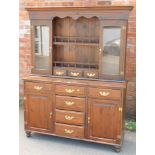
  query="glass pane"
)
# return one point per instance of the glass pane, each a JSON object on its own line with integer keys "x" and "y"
{"x": 111, "y": 52}
{"x": 42, "y": 47}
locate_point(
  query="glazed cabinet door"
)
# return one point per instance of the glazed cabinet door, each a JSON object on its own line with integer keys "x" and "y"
{"x": 112, "y": 49}
{"x": 41, "y": 46}
{"x": 104, "y": 122}
{"x": 38, "y": 112}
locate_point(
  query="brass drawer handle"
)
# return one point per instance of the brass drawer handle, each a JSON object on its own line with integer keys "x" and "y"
{"x": 69, "y": 103}
{"x": 75, "y": 74}
{"x": 91, "y": 74}
{"x": 69, "y": 117}
{"x": 104, "y": 93}
{"x": 69, "y": 131}
{"x": 69, "y": 90}
{"x": 59, "y": 73}
{"x": 38, "y": 88}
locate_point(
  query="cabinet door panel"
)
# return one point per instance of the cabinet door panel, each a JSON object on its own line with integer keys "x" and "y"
{"x": 41, "y": 46}
{"x": 38, "y": 112}
{"x": 112, "y": 51}
{"x": 104, "y": 120}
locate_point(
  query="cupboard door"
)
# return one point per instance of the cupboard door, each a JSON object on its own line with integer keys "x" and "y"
{"x": 112, "y": 51}
{"x": 103, "y": 120}
{"x": 38, "y": 108}
{"x": 41, "y": 46}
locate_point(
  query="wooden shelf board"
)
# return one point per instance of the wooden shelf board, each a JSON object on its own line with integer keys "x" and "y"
{"x": 72, "y": 43}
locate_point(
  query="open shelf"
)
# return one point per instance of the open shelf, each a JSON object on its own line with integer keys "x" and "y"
{"x": 76, "y": 47}
{"x": 86, "y": 41}
{"x": 75, "y": 65}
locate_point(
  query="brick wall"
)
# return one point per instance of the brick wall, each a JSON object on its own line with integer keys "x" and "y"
{"x": 24, "y": 34}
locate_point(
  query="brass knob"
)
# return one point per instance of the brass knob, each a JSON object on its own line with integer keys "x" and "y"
{"x": 104, "y": 93}
{"x": 88, "y": 120}
{"x": 51, "y": 114}
{"x": 120, "y": 109}
{"x": 100, "y": 49}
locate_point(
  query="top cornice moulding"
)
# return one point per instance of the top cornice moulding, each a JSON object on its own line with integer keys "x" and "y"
{"x": 95, "y": 8}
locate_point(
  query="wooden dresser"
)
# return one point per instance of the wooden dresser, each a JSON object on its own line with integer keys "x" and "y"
{"x": 77, "y": 87}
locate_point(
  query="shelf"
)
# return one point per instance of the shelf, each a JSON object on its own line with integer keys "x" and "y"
{"x": 75, "y": 65}
{"x": 84, "y": 41}
{"x": 75, "y": 43}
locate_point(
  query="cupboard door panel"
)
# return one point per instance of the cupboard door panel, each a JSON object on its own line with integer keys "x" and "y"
{"x": 41, "y": 46}
{"x": 112, "y": 49}
{"x": 39, "y": 112}
{"x": 103, "y": 120}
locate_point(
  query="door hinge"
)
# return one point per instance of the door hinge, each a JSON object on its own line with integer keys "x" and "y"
{"x": 122, "y": 73}
{"x": 118, "y": 136}
{"x": 51, "y": 114}
{"x": 88, "y": 120}
{"x": 24, "y": 98}
{"x": 120, "y": 109}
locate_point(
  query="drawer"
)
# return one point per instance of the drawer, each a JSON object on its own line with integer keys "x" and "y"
{"x": 70, "y": 90}
{"x": 69, "y": 130}
{"x": 68, "y": 117}
{"x": 75, "y": 73}
{"x": 59, "y": 72}
{"x": 38, "y": 87}
{"x": 70, "y": 103}
{"x": 91, "y": 74}
{"x": 104, "y": 93}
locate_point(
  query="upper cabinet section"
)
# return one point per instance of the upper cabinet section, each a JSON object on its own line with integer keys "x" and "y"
{"x": 79, "y": 42}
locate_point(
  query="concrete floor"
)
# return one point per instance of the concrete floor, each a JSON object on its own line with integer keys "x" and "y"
{"x": 48, "y": 145}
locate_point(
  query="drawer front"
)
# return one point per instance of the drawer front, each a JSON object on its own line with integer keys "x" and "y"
{"x": 75, "y": 73}
{"x": 90, "y": 74}
{"x": 38, "y": 87}
{"x": 69, "y": 130}
{"x": 104, "y": 93}
{"x": 67, "y": 117}
{"x": 70, "y": 90}
{"x": 70, "y": 103}
{"x": 59, "y": 72}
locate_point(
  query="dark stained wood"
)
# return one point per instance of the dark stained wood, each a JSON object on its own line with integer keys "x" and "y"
{"x": 70, "y": 103}
{"x": 69, "y": 117}
{"x": 104, "y": 93}
{"x": 72, "y": 98}
{"x": 101, "y": 125}
{"x": 37, "y": 87}
{"x": 67, "y": 8}
{"x": 69, "y": 130}
{"x": 70, "y": 90}
{"x": 38, "y": 112}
